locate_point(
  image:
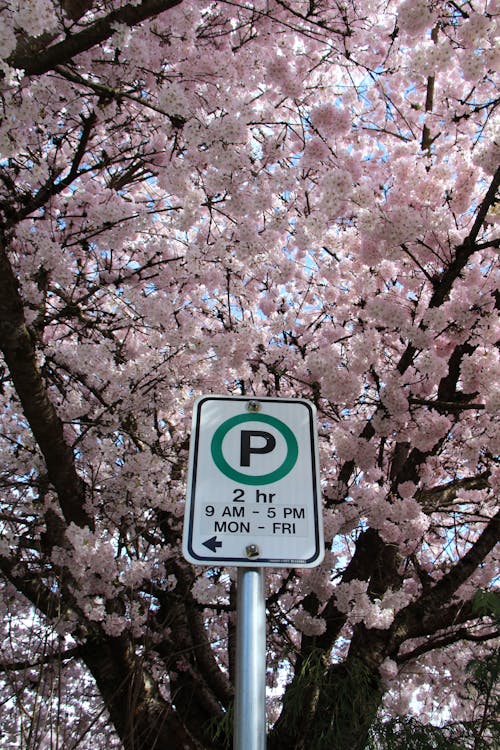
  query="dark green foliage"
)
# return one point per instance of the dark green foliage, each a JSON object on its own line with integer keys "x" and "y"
{"x": 409, "y": 733}
{"x": 482, "y": 732}
{"x": 487, "y": 603}
{"x": 221, "y": 730}
{"x": 333, "y": 705}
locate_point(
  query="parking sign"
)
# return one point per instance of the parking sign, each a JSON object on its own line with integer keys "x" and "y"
{"x": 253, "y": 495}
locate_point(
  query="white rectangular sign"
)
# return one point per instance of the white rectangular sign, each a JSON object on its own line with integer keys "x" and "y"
{"x": 253, "y": 495}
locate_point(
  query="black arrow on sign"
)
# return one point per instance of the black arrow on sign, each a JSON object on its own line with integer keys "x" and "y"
{"x": 212, "y": 543}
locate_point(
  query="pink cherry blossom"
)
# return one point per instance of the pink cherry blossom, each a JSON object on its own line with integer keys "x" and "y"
{"x": 285, "y": 199}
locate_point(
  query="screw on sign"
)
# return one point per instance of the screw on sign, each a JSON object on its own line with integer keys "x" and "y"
{"x": 253, "y": 487}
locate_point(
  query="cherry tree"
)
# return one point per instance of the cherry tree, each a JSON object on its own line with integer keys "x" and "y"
{"x": 277, "y": 197}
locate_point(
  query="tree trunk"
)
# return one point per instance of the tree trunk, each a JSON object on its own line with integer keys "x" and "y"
{"x": 141, "y": 717}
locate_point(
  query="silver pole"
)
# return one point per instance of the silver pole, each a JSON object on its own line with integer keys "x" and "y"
{"x": 250, "y": 697}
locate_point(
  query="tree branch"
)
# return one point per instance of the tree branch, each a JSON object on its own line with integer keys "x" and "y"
{"x": 18, "y": 349}
{"x": 468, "y": 246}
{"x": 53, "y": 187}
{"x": 65, "y": 50}
{"x": 428, "y": 613}
{"x": 442, "y": 288}
{"x": 427, "y": 141}
{"x": 445, "y": 407}
{"x": 442, "y": 641}
{"x": 443, "y": 495}
{"x": 19, "y": 666}
{"x": 31, "y": 587}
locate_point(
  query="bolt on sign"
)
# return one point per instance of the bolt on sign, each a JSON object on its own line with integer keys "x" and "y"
{"x": 253, "y": 496}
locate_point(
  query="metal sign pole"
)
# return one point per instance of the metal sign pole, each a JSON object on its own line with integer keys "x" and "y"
{"x": 250, "y": 698}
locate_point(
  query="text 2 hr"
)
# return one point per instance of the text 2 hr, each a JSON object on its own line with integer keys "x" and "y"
{"x": 260, "y": 497}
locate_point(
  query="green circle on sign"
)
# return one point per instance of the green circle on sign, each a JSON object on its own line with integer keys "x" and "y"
{"x": 292, "y": 451}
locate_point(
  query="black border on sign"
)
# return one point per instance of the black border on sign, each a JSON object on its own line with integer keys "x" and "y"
{"x": 217, "y": 561}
